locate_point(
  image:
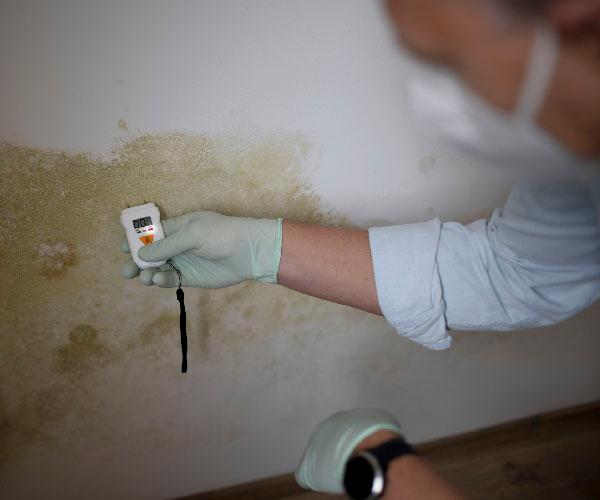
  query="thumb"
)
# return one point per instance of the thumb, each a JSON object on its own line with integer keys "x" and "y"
{"x": 175, "y": 244}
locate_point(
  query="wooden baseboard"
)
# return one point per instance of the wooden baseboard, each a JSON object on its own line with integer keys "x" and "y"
{"x": 549, "y": 456}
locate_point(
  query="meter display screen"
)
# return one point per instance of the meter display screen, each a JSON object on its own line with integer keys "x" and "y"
{"x": 143, "y": 222}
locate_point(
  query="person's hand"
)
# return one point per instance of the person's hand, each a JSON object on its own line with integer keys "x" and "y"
{"x": 211, "y": 251}
{"x": 333, "y": 442}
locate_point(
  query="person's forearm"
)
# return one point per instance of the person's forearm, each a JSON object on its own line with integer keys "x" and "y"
{"x": 411, "y": 477}
{"x": 329, "y": 263}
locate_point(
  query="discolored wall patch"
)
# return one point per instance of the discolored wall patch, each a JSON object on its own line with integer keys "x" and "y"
{"x": 70, "y": 322}
{"x": 83, "y": 352}
{"x": 55, "y": 258}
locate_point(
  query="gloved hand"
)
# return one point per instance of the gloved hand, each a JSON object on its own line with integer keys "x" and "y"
{"x": 332, "y": 443}
{"x": 212, "y": 251}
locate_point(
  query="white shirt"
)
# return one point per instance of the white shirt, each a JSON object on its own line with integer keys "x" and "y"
{"x": 533, "y": 263}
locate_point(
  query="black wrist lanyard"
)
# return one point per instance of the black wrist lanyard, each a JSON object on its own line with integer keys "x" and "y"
{"x": 182, "y": 319}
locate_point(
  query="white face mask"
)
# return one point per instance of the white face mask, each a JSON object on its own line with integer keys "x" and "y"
{"x": 444, "y": 106}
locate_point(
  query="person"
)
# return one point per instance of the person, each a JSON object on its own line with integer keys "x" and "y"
{"x": 514, "y": 82}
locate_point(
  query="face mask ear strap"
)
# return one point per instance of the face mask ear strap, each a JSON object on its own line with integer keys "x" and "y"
{"x": 539, "y": 73}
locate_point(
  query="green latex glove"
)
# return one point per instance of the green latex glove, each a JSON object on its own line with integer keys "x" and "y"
{"x": 212, "y": 251}
{"x": 333, "y": 442}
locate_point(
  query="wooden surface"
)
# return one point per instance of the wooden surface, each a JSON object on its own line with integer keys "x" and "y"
{"x": 551, "y": 456}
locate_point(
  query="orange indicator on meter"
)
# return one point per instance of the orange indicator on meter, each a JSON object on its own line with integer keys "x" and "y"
{"x": 147, "y": 239}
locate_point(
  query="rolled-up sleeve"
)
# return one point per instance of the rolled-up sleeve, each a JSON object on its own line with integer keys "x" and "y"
{"x": 533, "y": 263}
{"x": 408, "y": 281}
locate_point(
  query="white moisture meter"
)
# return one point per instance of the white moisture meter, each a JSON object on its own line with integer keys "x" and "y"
{"x": 142, "y": 227}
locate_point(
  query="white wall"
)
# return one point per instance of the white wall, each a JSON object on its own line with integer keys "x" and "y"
{"x": 264, "y": 70}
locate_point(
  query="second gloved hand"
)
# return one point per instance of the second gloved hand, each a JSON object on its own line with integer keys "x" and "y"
{"x": 332, "y": 443}
{"x": 212, "y": 251}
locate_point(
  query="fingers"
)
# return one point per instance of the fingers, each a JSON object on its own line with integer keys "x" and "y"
{"x": 125, "y": 246}
{"x": 167, "y": 279}
{"x": 130, "y": 269}
{"x": 178, "y": 243}
{"x": 146, "y": 276}
{"x": 162, "y": 277}
{"x": 170, "y": 226}
{"x": 174, "y": 224}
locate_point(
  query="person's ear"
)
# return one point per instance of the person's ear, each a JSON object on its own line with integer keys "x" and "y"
{"x": 575, "y": 16}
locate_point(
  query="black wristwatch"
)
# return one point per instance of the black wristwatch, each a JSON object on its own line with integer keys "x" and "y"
{"x": 365, "y": 475}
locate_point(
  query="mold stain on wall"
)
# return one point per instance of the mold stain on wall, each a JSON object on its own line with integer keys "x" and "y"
{"x": 67, "y": 317}
{"x": 82, "y": 353}
{"x": 122, "y": 124}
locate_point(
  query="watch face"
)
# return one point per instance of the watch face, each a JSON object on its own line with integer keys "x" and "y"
{"x": 359, "y": 478}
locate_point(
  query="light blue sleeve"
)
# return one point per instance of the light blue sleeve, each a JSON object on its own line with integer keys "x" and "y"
{"x": 535, "y": 262}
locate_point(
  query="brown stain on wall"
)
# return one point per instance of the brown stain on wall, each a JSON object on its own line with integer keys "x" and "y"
{"x": 22, "y": 422}
{"x": 154, "y": 337}
{"x": 151, "y": 331}
{"x": 56, "y": 258}
{"x": 67, "y": 317}
{"x": 83, "y": 352}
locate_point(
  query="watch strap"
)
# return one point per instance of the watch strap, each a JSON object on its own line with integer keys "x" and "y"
{"x": 378, "y": 458}
{"x": 390, "y": 450}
